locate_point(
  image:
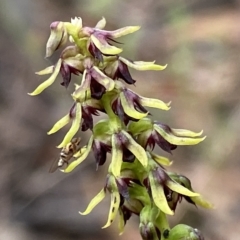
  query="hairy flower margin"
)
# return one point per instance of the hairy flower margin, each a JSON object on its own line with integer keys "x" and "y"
{"x": 137, "y": 181}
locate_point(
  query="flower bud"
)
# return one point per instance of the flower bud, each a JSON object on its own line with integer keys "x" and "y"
{"x": 58, "y": 37}
{"x": 182, "y": 231}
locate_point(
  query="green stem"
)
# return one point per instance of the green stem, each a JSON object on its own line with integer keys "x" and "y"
{"x": 113, "y": 118}
{"x": 162, "y": 224}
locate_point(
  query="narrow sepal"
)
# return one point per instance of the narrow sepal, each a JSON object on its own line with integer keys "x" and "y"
{"x": 104, "y": 47}
{"x": 117, "y": 156}
{"x": 175, "y": 139}
{"x": 94, "y": 202}
{"x": 74, "y": 128}
{"x": 121, "y": 222}
{"x": 158, "y": 196}
{"x": 59, "y": 124}
{"x": 176, "y": 187}
{"x": 185, "y": 133}
{"x": 200, "y": 201}
{"x": 115, "y": 201}
{"x": 161, "y": 160}
{"x": 124, "y": 31}
{"x": 101, "y": 23}
{"x": 46, "y": 71}
{"x": 49, "y": 81}
{"x": 154, "y": 103}
{"x": 136, "y": 149}
{"x": 143, "y": 66}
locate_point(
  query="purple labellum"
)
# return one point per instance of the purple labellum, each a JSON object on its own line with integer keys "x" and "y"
{"x": 87, "y": 113}
{"x": 118, "y": 110}
{"x": 100, "y": 152}
{"x": 97, "y": 90}
{"x": 72, "y": 112}
{"x": 66, "y": 72}
{"x": 126, "y": 214}
{"x": 164, "y": 144}
{"x": 124, "y": 73}
{"x": 122, "y": 188}
{"x": 160, "y": 175}
{"x": 127, "y": 155}
{"x": 96, "y": 53}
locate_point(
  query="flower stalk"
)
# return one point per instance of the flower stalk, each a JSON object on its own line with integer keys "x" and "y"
{"x": 138, "y": 182}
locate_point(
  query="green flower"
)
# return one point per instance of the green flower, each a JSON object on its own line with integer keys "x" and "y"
{"x": 117, "y": 189}
{"x": 158, "y": 182}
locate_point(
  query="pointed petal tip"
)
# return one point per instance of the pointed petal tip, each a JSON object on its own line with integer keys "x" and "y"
{"x": 82, "y": 213}
{"x": 200, "y": 133}
{"x": 61, "y": 145}
{"x": 169, "y": 212}
{"x": 202, "y": 139}
{"x": 37, "y": 91}
{"x": 32, "y": 94}
{"x": 106, "y": 225}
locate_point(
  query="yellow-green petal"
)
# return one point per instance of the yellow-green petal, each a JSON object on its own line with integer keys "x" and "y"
{"x": 74, "y": 128}
{"x": 200, "y": 201}
{"x": 136, "y": 149}
{"x": 121, "y": 222}
{"x": 115, "y": 201}
{"x": 94, "y": 202}
{"x": 117, "y": 156}
{"x": 124, "y": 31}
{"x": 59, "y": 124}
{"x": 105, "y": 48}
{"x": 83, "y": 155}
{"x": 177, "y": 140}
{"x": 159, "y": 197}
{"x": 143, "y": 66}
{"x": 129, "y": 108}
{"x": 161, "y": 160}
{"x": 101, "y": 24}
{"x": 176, "y": 187}
{"x": 49, "y": 81}
{"x": 186, "y": 133}
{"x": 45, "y": 71}
{"x": 154, "y": 103}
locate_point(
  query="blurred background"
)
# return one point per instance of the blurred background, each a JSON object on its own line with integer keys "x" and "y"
{"x": 200, "y": 42}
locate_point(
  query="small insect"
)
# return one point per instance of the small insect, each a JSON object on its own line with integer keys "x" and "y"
{"x": 66, "y": 154}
